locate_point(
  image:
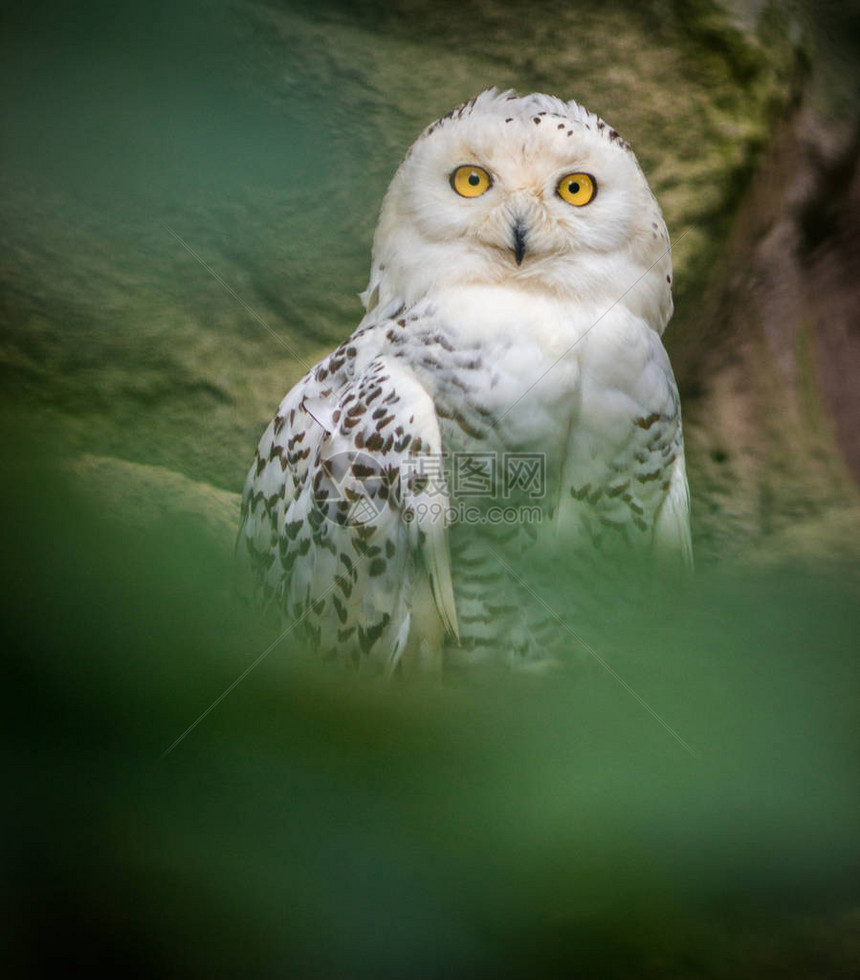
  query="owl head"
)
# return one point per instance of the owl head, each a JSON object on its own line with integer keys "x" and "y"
{"x": 528, "y": 193}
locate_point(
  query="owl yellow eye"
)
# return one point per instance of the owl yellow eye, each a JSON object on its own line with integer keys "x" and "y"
{"x": 470, "y": 181}
{"x": 576, "y": 189}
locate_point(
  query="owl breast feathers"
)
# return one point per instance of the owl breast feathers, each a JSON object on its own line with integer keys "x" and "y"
{"x": 505, "y": 406}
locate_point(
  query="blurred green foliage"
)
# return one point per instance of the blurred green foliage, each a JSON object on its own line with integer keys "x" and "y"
{"x": 311, "y": 825}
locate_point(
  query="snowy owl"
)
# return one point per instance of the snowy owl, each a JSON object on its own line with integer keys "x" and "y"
{"x": 506, "y": 395}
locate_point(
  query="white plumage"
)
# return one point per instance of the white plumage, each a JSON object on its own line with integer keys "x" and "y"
{"x": 520, "y": 282}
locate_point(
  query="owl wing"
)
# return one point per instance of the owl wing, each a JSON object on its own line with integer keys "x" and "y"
{"x": 624, "y": 482}
{"x": 344, "y": 515}
{"x": 672, "y": 525}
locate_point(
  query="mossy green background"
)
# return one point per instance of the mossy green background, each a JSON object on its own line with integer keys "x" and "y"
{"x": 264, "y": 135}
{"x": 310, "y": 826}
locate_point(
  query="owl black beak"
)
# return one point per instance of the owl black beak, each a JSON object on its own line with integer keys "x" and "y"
{"x": 519, "y": 242}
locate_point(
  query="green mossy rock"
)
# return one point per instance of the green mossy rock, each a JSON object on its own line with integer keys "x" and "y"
{"x": 189, "y": 200}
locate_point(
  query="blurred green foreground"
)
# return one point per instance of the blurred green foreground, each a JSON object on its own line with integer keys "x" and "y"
{"x": 314, "y": 826}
